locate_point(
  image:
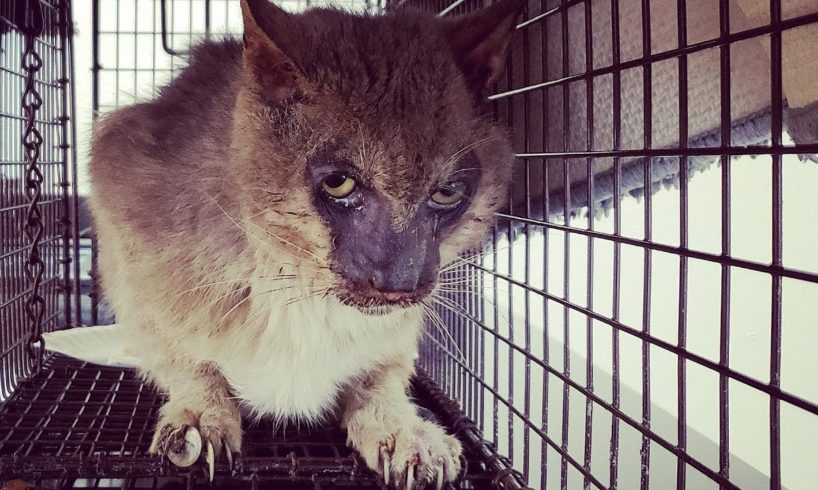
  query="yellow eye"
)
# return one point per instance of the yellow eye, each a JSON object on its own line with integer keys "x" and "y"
{"x": 339, "y": 186}
{"x": 448, "y": 195}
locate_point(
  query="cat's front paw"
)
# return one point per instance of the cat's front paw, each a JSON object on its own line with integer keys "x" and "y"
{"x": 418, "y": 456}
{"x": 183, "y": 435}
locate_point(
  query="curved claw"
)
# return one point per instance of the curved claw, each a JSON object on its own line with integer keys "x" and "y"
{"x": 211, "y": 460}
{"x": 229, "y": 451}
{"x": 190, "y": 450}
{"x": 163, "y": 440}
{"x": 410, "y": 477}
{"x": 440, "y": 472}
{"x": 386, "y": 466}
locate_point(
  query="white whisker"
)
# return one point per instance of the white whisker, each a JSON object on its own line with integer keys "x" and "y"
{"x": 438, "y": 323}
{"x": 251, "y": 235}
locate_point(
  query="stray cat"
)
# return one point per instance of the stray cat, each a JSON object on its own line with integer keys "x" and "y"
{"x": 273, "y": 221}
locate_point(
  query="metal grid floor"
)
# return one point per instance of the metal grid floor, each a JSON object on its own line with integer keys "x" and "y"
{"x": 74, "y": 422}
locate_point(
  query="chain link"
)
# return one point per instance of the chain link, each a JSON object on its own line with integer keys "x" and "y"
{"x": 32, "y": 141}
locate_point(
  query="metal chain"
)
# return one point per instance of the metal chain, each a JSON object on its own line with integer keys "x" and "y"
{"x": 32, "y": 141}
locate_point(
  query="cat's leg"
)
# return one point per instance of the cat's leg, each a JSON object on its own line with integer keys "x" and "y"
{"x": 199, "y": 411}
{"x": 384, "y": 427}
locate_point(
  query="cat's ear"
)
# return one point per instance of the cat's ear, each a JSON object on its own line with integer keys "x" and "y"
{"x": 480, "y": 41}
{"x": 265, "y": 27}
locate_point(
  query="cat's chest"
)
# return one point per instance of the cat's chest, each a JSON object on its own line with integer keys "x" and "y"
{"x": 296, "y": 370}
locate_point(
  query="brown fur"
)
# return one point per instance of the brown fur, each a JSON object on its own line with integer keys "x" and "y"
{"x": 202, "y": 206}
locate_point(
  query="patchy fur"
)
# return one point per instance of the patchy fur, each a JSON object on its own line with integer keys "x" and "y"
{"x": 212, "y": 239}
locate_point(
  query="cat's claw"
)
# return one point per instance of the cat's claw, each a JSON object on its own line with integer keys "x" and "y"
{"x": 440, "y": 476}
{"x": 419, "y": 457}
{"x": 386, "y": 468}
{"x": 229, "y": 451}
{"x": 186, "y": 444}
{"x": 210, "y": 457}
{"x": 183, "y": 446}
{"x": 410, "y": 476}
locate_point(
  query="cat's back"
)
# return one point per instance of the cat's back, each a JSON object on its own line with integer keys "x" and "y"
{"x": 153, "y": 154}
{"x": 189, "y": 109}
{"x": 155, "y": 177}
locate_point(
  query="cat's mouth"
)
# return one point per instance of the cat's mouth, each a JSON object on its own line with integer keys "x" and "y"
{"x": 376, "y": 303}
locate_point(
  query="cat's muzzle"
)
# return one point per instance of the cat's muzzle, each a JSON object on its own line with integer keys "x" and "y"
{"x": 374, "y": 300}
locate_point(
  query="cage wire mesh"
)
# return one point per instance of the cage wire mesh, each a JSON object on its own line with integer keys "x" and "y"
{"x": 638, "y": 319}
{"x": 642, "y": 315}
{"x": 36, "y": 178}
{"x": 140, "y": 44}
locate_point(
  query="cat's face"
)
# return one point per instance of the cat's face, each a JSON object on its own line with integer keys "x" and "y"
{"x": 362, "y": 142}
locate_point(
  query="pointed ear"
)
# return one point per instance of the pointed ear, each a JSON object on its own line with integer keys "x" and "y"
{"x": 276, "y": 74}
{"x": 480, "y": 41}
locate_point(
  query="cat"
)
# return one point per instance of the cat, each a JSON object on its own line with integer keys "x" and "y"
{"x": 275, "y": 220}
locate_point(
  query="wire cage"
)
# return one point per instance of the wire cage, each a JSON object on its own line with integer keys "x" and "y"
{"x": 37, "y": 182}
{"x": 71, "y": 424}
{"x": 641, "y": 316}
{"x": 635, "y": 319}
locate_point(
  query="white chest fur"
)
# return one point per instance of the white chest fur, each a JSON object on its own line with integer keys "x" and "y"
{"x": 306, "y": 352}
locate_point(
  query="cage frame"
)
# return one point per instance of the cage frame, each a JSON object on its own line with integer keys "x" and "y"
{"x": 445, "y": 376}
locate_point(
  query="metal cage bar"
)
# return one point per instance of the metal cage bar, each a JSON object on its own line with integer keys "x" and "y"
{"x": 559, "y": 68}
{"x": 573, "y": 404}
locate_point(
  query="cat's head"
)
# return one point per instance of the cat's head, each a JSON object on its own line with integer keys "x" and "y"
{"x": 360, "y": 144}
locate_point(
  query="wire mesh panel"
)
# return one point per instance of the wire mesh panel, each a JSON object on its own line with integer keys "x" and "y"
{"x": 35, "y": 183}
{"x": 140, "y": 44}
{"x": 640, "y": 316}
{"x": 74, "y": 419}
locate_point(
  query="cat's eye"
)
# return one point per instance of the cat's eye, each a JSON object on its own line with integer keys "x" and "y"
{"x": 448, "y": 196}
{"x": 339, "y": 185}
